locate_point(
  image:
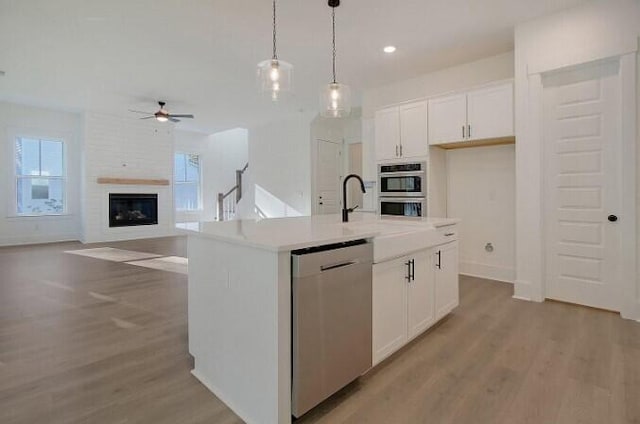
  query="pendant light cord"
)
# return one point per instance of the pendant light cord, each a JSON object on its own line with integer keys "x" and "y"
{"x": 275, "y": 54}
{"x": 333, "y": 19}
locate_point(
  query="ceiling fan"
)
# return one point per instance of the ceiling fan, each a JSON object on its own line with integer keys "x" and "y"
{"x": 162, "y": 115}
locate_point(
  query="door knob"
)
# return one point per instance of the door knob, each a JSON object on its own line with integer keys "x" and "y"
{"x": 612, "y": 218}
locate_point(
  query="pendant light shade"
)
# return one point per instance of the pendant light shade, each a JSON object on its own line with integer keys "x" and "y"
{"x": 335, "y": 98}
{"x": 275, "y": 76}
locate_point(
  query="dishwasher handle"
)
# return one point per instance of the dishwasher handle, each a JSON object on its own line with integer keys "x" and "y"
{"x": 324, "y": 268}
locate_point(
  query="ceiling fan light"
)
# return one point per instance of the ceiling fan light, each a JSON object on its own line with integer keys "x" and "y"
{"x": 162, "y": 118}
{"x": 335, "y": 100}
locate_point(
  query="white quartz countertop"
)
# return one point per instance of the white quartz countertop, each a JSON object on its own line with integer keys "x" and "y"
{"x": 286, "y": 234}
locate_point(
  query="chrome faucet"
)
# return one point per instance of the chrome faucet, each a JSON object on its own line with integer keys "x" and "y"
{"x": 345, "y": 210}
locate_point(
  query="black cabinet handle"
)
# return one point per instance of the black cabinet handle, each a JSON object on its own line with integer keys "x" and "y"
{"x": 413, "y": 269}
{"x": 612, "y": 218}
{"x": 408, "y": 276}
{"x": 439, "y": 264}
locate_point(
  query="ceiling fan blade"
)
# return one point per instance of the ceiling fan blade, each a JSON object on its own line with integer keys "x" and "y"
{"x": 139, "y": 111}
{"x": 148, "y": 117}
{"x": 180, "y": 116}
{"x": 173, "y": 119}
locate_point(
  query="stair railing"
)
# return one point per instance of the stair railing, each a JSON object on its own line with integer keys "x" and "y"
{"x": 227, "y": 205}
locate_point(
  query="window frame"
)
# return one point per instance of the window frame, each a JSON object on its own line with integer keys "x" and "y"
{"x": 13, "y": 204}
{"x": 198, "y": 183}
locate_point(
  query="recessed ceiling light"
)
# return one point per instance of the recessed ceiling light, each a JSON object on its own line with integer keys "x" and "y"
{"x": 389, "y": 49}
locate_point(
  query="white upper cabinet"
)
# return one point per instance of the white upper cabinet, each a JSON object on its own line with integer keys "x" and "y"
{"x": 447, "y": 119}
{"x": 413, "y": 130}
{"x": 482, "y": 114}
{"x": 490, "y": 112}
{"x": 401, "y": 131}
{"x": 387, "y": 133}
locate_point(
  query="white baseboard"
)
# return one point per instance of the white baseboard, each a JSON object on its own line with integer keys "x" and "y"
{"x": 631, "y": 311}
{"x": 220, "y": 395}
{"x": 524, "y": 290}
{"x": 130, "y": 235}
{"x": 37, "y": 239}
{"x": 521, "y": 298}
{"x": 489, "y": 272}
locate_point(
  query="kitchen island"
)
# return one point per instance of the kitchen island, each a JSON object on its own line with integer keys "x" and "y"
{"x": 240, "y": 297}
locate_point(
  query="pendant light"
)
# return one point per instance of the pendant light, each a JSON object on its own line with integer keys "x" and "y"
{"x": 335, "y": 98}
{"x": 274, "y": 75}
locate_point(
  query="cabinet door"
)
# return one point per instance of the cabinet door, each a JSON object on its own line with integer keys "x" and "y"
{"x": 447, "y": 119}
{"x": 389, "y": 308}
{"x": 387, "y": 134}
{"x": 413, "y": 130}
{"x": 445, "y": 259}
{"x": 490, "y": 112}
{"x": 420, "y": 295}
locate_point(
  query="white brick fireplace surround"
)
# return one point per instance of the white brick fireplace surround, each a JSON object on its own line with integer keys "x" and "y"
{"x": 124, "y": 148}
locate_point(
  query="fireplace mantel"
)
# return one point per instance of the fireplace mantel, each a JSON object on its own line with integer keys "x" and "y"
{"x": 132, "y": 181}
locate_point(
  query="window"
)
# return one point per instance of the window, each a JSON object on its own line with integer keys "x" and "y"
{"x": 40, "y": 177}
{"x": 187, "y": 181}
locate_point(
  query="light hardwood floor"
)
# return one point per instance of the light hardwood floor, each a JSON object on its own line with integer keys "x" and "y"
{"x": 85, "y": 340}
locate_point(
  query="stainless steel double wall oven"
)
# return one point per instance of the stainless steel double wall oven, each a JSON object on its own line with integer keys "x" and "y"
{"x": 403, "y": 189}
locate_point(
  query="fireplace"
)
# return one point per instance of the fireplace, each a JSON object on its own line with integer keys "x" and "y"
{"x": 127, "y": 209}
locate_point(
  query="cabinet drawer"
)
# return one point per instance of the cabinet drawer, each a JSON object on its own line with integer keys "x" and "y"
{"x": 447, "y": 234}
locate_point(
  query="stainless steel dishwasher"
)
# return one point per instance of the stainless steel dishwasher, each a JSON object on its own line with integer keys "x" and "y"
{"x": 331, "y": 289}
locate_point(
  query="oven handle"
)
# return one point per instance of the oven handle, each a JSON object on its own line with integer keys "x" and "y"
{"x": 402, "y": 174}
{"x": 402, "y": 199}
{"x": 401, "y": 194}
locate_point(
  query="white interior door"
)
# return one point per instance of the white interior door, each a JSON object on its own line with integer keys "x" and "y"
{"x": 582, "y": 146}
{"x": 328, "y": 177}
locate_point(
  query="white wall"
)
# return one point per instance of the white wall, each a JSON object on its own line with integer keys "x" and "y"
{"x": 479, "y": 224}
{"x": 485, "y": 178}
{"x": 221, "y": 154}
{"x": 229, "y": 152}
{"x": 451, "y": 79}
{"x": 280, "y": 163}
{"x": 125, "y": 148}
{"x": 595, "y": 31}
{"x": 343, "y": 131}
{"x": 18, "y": 120}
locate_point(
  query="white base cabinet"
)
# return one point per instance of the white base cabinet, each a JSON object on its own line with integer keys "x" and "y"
{"x": 420, "y": 307}
{"x": 410, "y": 294}
{"x": 389, "y": 308}
{"x": 447, "y": 296}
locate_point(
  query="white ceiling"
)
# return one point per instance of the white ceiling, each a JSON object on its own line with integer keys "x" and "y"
{"x": 200, "y": 55}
